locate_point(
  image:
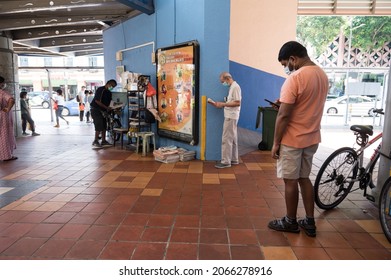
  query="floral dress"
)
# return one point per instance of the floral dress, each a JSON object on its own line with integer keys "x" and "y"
{"x": 7, "y": 136}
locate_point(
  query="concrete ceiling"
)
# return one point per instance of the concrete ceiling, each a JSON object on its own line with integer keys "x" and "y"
{"x": 64, "y": 27}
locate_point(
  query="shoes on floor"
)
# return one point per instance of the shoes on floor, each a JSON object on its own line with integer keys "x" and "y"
{"x": 96, "y": 145}
{"x": 106, "y": 144}
{"x": 12, "y": 158}
{"x": 25, "y": 134}
{"x": 35, "y": 134}
{"x": 234, "y": 162}
{"x": 284, "y": 225}
{"x": 57, "y": 125}
{"x": 222, "y": 165}
{"x": 308, "y": 226}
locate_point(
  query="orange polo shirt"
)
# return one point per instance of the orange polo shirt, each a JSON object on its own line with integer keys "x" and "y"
{"x": 306, "y": 88}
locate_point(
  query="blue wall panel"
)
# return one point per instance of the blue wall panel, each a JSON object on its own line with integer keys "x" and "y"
{"x": 256, "y": 85}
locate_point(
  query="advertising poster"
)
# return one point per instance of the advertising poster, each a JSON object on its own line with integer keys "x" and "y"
{"x": 177, "y": 91}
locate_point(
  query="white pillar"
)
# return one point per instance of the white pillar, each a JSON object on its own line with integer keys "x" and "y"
{"x": 385, "y": 163}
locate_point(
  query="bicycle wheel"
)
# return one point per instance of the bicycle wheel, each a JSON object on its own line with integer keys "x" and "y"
{"x": 384, "y": 208}
{"x": 374, "y": 170}
{"x": 335, "y": 178}
{"x": 115, "y": 124}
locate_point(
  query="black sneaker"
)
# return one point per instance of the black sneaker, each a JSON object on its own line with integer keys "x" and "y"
{"x": 284, "y": 225}
{"x": 309, "y": 228}
{"x": 25, "y": 134}
{"x": 106, "y": 144}
{"x": 96, "y": 145}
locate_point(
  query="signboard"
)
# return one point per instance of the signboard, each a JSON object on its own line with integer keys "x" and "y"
{"x": 178, "y": 91}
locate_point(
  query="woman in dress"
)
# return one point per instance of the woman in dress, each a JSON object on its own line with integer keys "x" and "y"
{"x": 7, "y": 136}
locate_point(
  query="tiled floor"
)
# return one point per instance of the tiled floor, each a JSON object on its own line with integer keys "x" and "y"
{"x": 114, "y": 204}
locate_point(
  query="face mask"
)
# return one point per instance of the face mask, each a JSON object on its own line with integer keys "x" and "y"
{"x": 110, "y": 88}
{"x": 225, "y": 84}
{"x": 4, "y": 86}
{"x": 287, "y": 70}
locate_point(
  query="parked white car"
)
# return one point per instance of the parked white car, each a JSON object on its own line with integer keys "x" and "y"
{"x": 358, "y": 106}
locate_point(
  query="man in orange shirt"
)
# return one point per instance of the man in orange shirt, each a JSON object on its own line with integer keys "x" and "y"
{"x": 297, "y": 134}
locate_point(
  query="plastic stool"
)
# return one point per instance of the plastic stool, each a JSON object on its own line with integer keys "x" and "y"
{"x": 145, "y": 138}
{"x": 121, "y": 132}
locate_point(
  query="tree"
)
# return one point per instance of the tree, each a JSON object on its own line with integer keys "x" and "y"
{"x": 369, "y": 32}
{"x": 373, "y": 33}
{"x": 317, "y": 32}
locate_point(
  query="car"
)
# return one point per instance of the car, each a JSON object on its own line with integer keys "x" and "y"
{"x": 39, "y": 98}
{"x": 358, "y": 106}
{"x": 71, "y": 108}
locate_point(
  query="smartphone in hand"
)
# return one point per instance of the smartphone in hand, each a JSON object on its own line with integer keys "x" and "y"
{"x": 272, "y": 103}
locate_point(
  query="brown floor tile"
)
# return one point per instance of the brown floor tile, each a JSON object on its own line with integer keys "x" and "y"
{"x": 214, "y": 236}
{"x": 71, "y": 231}
{"x": 160, "y": 220}
{"x": 156, "y": 234}
{"x": 332, "y": 240}
{"x": 98, "y": 232}
{"x": 118, "y": 251}
{"x": 17, "y": 230}
{"x": 273, "y": 238}
{"x": 239, "y": 222}
{"x": 84, "y": 218}
{"x": 24, "y": 247}
{"x": 110, "y": 219}
{"x": 304, "y": 253}
{"x": 86, "y": 249}
{"x": 343, "y": 254}
{"x": 128, "y": 233}
{"x": 6, "y": 242}
{"x": 43, "y": 230}
{"x": 249, "y": 252}
{"x": 55, "y": 248}
{"x": 35, "y": 217}
{"x": 60, "y": 217}
{"x": 214, "y": 252}
{"x": 375, "y": 254}
{"x": 177, "y": 251}
{"x": 213, "y": 222}
{"x": 187, "y": 221}
{"x": 242, "y": 236}
{"x": 184, "y": 235}
{"x": 149, "y": 251}
{"x": 13, "y": 216}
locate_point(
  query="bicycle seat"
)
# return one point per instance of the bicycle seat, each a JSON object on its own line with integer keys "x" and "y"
{"x": 363, "y": 129}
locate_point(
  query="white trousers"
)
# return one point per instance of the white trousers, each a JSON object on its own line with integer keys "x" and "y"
{"x": 229, "y": 143}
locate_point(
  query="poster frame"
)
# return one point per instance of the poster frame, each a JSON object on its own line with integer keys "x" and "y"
{"x": 190, "y": 138}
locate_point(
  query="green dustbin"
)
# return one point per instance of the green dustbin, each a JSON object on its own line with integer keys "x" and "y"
{"x": 267, "y": 116}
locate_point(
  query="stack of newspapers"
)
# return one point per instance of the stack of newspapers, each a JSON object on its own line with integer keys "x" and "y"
{"x": 171, "y": 154}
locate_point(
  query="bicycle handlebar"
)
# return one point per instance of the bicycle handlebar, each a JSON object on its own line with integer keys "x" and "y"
{"x": 379, "y": 111}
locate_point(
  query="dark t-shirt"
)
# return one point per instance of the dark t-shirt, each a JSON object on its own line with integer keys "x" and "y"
{"x": 103, "y": 95}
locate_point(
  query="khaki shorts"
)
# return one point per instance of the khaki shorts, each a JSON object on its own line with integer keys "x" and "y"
{"x": 295, "y": 163}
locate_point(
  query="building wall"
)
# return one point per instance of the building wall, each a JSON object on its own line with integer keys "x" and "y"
{"x": 240, "y": 36}
{"x": 258, "y": 30}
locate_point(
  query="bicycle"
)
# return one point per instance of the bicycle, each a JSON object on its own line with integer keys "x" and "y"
{"x": 113, "y": 119}
{"x": 345, "y": 166}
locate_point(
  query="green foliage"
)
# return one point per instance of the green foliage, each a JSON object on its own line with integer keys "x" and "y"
{"x": 368, "y": 32}
{"x": 317, "y": 32}
{"x": 372, "y": 33}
